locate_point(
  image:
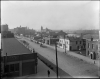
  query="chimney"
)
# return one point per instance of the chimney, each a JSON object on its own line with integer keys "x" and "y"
{"x": 91, "y": 38}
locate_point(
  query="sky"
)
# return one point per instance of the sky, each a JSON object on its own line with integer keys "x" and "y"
{"x": 57, "y": 15}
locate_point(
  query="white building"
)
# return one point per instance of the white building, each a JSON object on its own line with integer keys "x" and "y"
{"x": 72, "y": 43}
{"x": 62, "y": 43}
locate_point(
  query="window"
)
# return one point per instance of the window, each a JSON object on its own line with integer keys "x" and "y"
{"x": 60, "y": 41}
{"x": 88, "y": 52}
{"x": 6, "y": 69}
{"x": 92, "y": 46}
{"x": 98, "y": 47}
{"x": 12, "y": 68}
{"x": 81, "y": 47}
{"x": 88, "y": 45}
{"x": 78, "y": 47}
{"x": 66, "y": 42}
{"x": 17, "y": 67}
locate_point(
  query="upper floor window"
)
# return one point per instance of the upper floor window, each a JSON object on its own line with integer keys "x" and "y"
{"x": 88, "y": 53}
{"x": 88, "y": 45}
{"x": 59, "y": 40}
{"x": 92, "y": 46}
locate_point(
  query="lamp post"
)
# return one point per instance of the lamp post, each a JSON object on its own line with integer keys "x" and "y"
{"x": 56, "y": 60}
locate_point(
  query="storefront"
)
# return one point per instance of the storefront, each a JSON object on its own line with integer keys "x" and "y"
{"x": 19, "y": 65}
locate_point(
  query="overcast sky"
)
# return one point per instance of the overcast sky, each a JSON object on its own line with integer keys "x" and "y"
{"x": 51, "y": 14}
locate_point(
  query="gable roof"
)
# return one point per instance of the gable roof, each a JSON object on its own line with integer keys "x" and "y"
{"x": 61, "y": 33}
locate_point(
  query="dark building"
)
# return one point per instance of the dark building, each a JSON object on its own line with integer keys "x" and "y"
{"x": 77, "y": 43}
{"x": 17, "y": 60}
{"x": 4, "y": 27}
{"x": 5, "y": 33}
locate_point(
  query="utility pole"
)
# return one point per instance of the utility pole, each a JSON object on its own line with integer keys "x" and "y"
{"x": 56, "y": 60}
{"x": 65, "y": 43}
{"x": 41, "y": 34}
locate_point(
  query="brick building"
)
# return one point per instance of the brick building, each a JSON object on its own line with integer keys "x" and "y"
{"x": 92, "y": 46}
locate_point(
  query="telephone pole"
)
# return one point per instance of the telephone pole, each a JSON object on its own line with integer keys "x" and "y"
{"x": 56, "y": 60}
{"x": 65, "y": 43}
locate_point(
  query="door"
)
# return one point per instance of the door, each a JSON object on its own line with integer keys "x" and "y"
{"x": 91, "y": 56}
{"x": 70, "y": 48}
{"x": 28, "y": 68}
{"x": 94, "y": 55}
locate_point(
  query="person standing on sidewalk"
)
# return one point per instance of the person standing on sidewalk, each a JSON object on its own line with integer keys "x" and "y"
{"x": 48, "y": 73}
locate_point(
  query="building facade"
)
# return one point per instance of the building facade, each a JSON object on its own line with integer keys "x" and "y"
{"x": 72, "y": 43}
{"x": 92, "y": 45}
{"x": 63, "y": 42}
{"x": 92, "y": 48}
{"x": 19, "y": 65}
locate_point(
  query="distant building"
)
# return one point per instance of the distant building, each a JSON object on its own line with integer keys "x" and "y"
{"x": 73, "y": 35}
{"x": 92, "y": 45}
{"x": 5, "y": 33}
{"x": 72, "y": 43}
{"x": 17, "y": 60}
{"x": 25, "y": 31}
{"x": 50, "y": 40}
{"x": 4, "y": 27}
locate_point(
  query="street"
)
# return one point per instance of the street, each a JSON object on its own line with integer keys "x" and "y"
{"x": 73, "y": 66}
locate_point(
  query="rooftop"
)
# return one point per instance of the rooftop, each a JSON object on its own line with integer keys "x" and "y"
{"x": 89, "y": 36}
{"x": 11, "y": 46}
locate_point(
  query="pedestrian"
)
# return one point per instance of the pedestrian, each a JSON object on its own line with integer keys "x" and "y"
{"x": 48, "y": 73}
{"x": 33, "y": 50}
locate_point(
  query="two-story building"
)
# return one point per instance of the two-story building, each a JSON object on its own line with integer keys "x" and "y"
{"x": 92, "y": 45}
{"x": 62, "y": 42}
{"x": 72, "y": 43}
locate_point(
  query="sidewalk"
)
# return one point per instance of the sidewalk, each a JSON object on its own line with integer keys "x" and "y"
{"x": 41, "y": 72}
{"x": 84, "y": 58}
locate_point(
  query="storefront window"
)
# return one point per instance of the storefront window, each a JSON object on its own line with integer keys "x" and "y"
{"x": 17, "y": 67}
{"x": 6, "y": 69}
{"x": 12, "y": 68}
